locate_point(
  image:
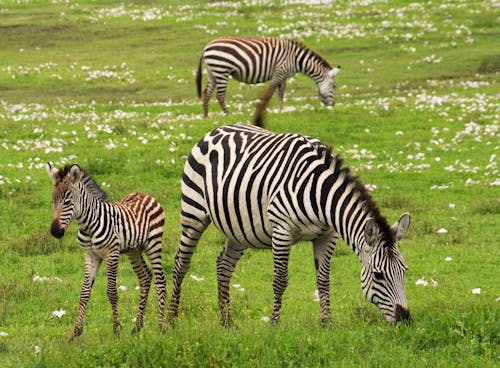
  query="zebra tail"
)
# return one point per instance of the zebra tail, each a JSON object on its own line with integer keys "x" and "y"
{"x": 199, "y": 76}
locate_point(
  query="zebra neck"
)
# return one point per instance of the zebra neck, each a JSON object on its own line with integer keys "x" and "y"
{"x": 308, "y": 63}
{"x": 93, "y": 211}
{"x": 350, "y": 216}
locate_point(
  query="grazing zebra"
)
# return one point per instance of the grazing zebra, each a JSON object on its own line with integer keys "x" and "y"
{"x": 266, "y": 190}
{"x": 132, "y": 226}
{"x": 257, "y": 60}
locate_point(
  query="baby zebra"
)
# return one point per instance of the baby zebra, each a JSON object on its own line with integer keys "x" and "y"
{"x": 132, "y": 226}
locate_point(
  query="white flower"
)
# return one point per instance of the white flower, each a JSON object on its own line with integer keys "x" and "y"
{"x": 476, "y": 291}
{"x": 38, "y": 349}
{"x": 316, "y": 295}
{"x": 451, "y": 205}
{"x": 196, "y": 278}
{"x": 59, "y": 313}
{"x": 442, "y": 231}
{"x": 3, "y": 334}
{"x": 448, "y": 259}
{"x": 265, "y": 319}
{"x": 434, "y": 283}
{"x": 421, "y": 282}
{"x": 122, "y": 288}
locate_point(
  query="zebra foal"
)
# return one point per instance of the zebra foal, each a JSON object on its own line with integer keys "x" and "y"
{"x": 270, "y": 191}
{"x": 132, "y": 226}
{"x": 257, "y": 60}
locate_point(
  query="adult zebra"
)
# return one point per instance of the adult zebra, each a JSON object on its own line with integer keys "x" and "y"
{"x": 266, "y": 190}
{"x": 257, "y": 60}
{"x": 132, "y": 226}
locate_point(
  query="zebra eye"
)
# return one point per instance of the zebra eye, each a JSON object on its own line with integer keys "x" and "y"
{"x": 378, "y": 275}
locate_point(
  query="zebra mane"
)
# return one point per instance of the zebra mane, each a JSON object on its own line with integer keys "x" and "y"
{"x": 313, "y": 54}
{"x": 365, "y": 197}
{"x": 86, "y": 180}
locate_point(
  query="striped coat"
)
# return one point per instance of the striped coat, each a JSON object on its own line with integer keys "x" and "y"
{"x": 132, "y": 226}
{"x": 258, "y": 60}
{"x": 270, "y": 191}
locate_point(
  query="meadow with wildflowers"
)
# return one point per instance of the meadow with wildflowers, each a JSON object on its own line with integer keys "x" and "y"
{"x": 110, "y": 85}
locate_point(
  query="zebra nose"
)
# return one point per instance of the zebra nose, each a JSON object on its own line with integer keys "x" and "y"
{"x": 56, "y": 230}
{"x": 402, "y": 314}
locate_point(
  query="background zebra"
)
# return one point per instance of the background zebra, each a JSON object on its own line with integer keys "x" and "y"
{"x": 257, "y": 60}
{"x": 266, "y": 190}
{"x": 132, "y": 226}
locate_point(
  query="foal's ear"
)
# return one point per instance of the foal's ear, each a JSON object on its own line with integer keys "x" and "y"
{"x": 74, "y": 173}
{"x": 52, "y": 172}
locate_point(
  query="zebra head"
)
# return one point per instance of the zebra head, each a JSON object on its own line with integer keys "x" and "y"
{"x": 64, "y": 197}
{"x": 383, "y": 270}
{"x": 326, "y": 87}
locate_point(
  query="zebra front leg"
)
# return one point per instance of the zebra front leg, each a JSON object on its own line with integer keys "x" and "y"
{"x": 281, "y": 254}
{"x": 92, "y": 264}
{"x": 112, "y": 270}
{"x": 144, "y": 275}
{"x": 226, "y": 262}
{"x": 323, "y": 250}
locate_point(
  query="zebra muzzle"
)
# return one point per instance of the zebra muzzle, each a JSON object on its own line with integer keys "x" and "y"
{"x": 56, "y": 229}
{"x": 402, "y": 314}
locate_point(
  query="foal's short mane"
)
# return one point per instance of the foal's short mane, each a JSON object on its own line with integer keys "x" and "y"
{"x": 86, "y": 180}
{"x": 364, "y": 195}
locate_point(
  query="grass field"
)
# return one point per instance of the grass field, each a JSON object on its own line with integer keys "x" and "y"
{"x": 110, "y": 86}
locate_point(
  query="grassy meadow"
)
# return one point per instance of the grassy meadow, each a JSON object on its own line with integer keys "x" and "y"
{"x": 110, "y": 85}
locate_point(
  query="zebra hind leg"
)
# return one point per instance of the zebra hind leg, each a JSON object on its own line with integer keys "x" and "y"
{"x": 226, "y": 262}
{"x": 281, "y": 254}
{"x": 144, "y": 275}
{"x": 191, "y": 233}
{"x": 154, "y": 255}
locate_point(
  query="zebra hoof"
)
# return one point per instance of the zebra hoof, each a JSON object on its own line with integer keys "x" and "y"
{"x": 326, "y": 322}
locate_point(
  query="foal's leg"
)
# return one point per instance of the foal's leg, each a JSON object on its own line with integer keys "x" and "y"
{"x": 144, "y": 275}
{"x": 112, "y": 270}
{"x": 92, "y": 264}
{"x": 154, "y": 255}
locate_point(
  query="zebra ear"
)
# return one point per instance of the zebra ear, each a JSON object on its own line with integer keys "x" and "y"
{"x": 74, "y": 173}
{"x": 400, "y": 228}
{"x": 371, "y": 232}
{"x": 52, "y": 172}
{"x": 334, "y": 71}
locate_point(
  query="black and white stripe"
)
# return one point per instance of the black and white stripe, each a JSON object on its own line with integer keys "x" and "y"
{"x": 132, "y": 226}
{"x": 257, "y": 60}
{"x": 266, "y": 190}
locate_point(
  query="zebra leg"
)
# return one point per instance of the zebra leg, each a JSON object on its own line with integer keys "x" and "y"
{"x": 221, "y": 94}
{"x": 112, "y": 270}
{"x": 281, "y": 93}
{"x": 323, "y": 250}
{"x": 191, "y": 233}
{"x": 144, "y": 275}
{"x": 226, "y": 262}
{"x": 92, "y": 264}
{"x": 281, "y": 254}
{"x": 207, "y": 93}
{"x": 154, "y": 255}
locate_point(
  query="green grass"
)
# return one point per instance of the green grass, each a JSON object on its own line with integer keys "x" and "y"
{"x": 113, "y": 90}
